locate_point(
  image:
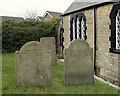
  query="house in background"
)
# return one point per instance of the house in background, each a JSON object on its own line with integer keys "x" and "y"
{"x": 48, "y": 16}
{"x": 16, "y": 19}
{"x": 39, "y": 18}
{"x": 98, "y": 23}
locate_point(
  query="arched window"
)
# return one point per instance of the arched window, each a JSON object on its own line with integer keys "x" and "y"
{"x": 115, "y": 29}
{"x": 78, "y": 27}
{"x": 73, "y": 29}
{"x": 82, "y": 29}
{"x": 118, "y": 30}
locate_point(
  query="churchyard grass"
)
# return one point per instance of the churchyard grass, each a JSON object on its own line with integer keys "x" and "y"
{"x": 9, "y": 82}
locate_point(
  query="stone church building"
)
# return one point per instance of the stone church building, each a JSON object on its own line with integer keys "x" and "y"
{"x": 98, "y": 23}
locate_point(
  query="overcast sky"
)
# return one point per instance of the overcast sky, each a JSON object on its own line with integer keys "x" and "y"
{"x": 19, "y": 7}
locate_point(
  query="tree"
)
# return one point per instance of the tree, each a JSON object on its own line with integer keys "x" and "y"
{"x": 32, "y": 14}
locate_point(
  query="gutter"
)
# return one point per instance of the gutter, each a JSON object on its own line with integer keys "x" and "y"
{"x": 62, "y": 33}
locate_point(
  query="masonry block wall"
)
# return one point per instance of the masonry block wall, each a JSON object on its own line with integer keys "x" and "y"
{"x": 66, "y": 34}
{"x": 90, "y": 26}
{"x": 106, "y": 61}
{"x": 59, "y": 48}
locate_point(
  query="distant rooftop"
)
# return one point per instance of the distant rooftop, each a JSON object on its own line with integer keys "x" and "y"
{"x": 40, "y": 18}
{"x": 5, "y": 18}
{"x": 81, "y": 4}
{"x": 57, "y": 14}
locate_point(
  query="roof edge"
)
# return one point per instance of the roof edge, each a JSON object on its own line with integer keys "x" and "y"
{"x": 97, "y": 5}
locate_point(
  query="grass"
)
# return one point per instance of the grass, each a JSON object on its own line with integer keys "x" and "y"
{"x": 58, "y": 87}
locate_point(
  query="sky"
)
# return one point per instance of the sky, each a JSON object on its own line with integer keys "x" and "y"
{"x": 19, "y": 8}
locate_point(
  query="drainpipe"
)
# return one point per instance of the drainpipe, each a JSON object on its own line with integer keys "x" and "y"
{"x": 95, "y": 39}
{"x": 62, "y": 21}
{"x": 62, "y": 33}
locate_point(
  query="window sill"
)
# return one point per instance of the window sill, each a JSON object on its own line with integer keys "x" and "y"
{"x": 114, "y": 51}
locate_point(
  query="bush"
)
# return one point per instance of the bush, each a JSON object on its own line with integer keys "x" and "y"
{"x": 16, "y": 34}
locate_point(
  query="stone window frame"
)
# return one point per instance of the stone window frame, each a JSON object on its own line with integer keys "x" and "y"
{"x": 75, "y": 17}
{"x": 113, "y": 27}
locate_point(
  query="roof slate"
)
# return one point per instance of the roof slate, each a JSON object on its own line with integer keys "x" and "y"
{"x": 80, "y": 4}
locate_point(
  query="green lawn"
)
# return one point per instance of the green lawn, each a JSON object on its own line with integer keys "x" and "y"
{"x": 9, "y": 85}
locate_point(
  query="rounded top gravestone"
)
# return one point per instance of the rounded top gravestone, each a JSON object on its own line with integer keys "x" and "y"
{"x": 31, "y": 46}
{"x": 79, "y": 44}
{"x": 79, "y": 65}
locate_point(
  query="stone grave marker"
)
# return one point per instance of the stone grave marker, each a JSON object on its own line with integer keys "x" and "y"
{"x": 79, "y": 67}
{"x": 49, "y": 42}
{"x": 34, "y": 63}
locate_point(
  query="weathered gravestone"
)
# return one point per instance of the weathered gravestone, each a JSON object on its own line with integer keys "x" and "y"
{"x": 79, "y": 63}
{"x": 34, "y": 63}
{"x": 49, "y": 42}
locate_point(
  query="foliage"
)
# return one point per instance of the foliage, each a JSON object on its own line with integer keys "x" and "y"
{"x": 32, "y": 13}
{"x": 58, "y": 87}
{"x": 16, "y": 34}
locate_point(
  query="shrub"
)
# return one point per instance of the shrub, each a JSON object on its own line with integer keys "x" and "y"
{"x": 16, "y": 34}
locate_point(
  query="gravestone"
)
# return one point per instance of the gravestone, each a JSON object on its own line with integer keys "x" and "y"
{"x": 49, "y": 42}
{"x": 34, "y": 63}
{"x": 79, "y": 67}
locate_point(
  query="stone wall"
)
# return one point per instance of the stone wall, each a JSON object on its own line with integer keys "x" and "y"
{"x": 66, "y": 34}
{"x": 106, "y": 61}
{"x": 59, "y": 48}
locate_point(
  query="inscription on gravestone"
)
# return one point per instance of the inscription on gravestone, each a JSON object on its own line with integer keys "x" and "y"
{"x": 79, "y": 67}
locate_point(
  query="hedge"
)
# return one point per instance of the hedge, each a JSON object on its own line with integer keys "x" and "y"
{"x": 16, "y": 34}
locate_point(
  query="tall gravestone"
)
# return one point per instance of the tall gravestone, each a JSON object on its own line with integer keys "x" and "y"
{"x": 79, "y": 67}
{"x": 34, "y": 63}
{"x": 49, "y": 42}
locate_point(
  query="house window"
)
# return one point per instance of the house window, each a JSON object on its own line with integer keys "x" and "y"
{"x": 115, "y": 29}
{"x": 78, "y": 27}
